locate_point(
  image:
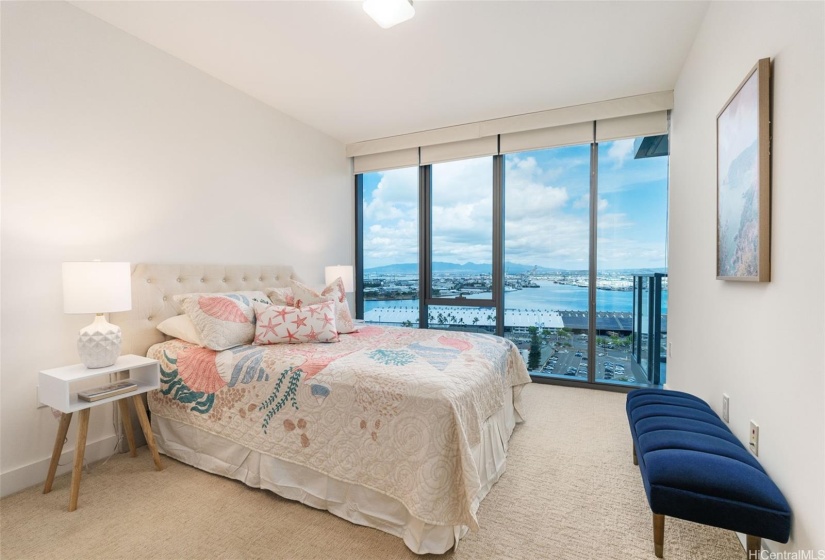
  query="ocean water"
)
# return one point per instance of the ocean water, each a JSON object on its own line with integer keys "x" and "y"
{"x": 556, "y": 297}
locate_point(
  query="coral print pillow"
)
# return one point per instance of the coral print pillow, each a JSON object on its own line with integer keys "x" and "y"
{"x": 222, "y": 321}
{"x": 281, "y": 296}
{"x": 278, "y": 324}
{"x": 335, "y": 291}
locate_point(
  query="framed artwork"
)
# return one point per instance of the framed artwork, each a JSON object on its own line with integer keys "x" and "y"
{"x": 743, "y": 180}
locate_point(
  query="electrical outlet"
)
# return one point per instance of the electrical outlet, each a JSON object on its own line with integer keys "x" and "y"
{"x": 37, "y": 396}
{"x": 726, "y": 408}
{"x": 754, "y": 443}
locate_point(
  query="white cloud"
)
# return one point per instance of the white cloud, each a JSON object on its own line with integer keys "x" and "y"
{"x": 546, "y": 214}
{"x": 395, "y": 197}
{"x": 620, "y": 151}
{"x": 584, "y": 202}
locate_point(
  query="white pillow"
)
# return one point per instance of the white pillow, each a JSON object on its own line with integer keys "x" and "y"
{"x": 304, "y": 295}
{"x": 182, "y": 327}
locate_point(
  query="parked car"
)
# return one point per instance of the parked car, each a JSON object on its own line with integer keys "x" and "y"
{"x": 578, "y": 354}
{"x": 571, "y": 371}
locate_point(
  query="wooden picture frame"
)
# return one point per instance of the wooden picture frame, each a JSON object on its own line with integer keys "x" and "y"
{"x": 743, "y": 180}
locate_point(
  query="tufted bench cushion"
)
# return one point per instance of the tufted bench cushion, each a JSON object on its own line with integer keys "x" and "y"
{"x": 694, "y": 468}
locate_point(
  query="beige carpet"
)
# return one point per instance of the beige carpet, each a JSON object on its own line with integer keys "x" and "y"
{"x": 570, "y": 491}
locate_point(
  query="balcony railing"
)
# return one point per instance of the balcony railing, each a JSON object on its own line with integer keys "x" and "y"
{"x": 650, "y": 326}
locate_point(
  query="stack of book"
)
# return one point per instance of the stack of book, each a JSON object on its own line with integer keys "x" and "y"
{"x": 106, "y": 391}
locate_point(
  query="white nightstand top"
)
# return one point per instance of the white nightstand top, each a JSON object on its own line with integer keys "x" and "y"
{"x": 79, "y": 371}
{"x": 55, "y": 384}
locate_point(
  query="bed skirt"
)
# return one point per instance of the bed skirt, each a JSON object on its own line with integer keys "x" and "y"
{"x": 353, "y": 502}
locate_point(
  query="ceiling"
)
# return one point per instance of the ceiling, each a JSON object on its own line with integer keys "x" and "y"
{"x": 329, "y": 65}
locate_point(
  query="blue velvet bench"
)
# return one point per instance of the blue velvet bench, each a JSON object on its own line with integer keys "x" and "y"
{"x": 694, "y": 468}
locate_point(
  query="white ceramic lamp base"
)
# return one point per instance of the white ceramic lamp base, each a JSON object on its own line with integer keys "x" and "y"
{"x": 99, "y": 343}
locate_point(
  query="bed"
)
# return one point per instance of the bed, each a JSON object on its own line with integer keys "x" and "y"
{"x": 403, "y": 430}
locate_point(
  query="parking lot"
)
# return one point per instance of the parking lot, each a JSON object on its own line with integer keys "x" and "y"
{"x": 612, "y": 365}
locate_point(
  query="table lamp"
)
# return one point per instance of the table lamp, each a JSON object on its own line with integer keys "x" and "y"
{"x": 97, "y": 287}
{"x": 345, "y": 272}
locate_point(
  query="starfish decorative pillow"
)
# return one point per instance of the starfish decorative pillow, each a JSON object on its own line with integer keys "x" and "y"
{"x": 278, "y": 324}
{"x": 335, "y": 291}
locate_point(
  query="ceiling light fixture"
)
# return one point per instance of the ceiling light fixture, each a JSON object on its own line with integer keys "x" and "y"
{"x": 387, "y": 13}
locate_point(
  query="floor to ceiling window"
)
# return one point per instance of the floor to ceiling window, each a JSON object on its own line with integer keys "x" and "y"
{"x": 390, "y": 236}
{"x": 562, "y": 250}
{"x": 547, "y": 258}
{"x": 631, "y": 250}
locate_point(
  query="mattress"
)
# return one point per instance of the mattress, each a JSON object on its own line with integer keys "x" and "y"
{"x": 401, "y": 415}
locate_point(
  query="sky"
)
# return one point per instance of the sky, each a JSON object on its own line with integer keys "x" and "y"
{"x": 546, "y": 210}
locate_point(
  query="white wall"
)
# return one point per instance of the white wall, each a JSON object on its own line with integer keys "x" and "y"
{"x": 762, "y": 344}
{"x": 112, "y": 149}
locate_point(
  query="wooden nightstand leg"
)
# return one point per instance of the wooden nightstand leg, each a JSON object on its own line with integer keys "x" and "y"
{"x": 127, "y": 425}
{"x": 65, "y": 420}
{"x": 147, "y": 430}
{"x": 79, "y": 450}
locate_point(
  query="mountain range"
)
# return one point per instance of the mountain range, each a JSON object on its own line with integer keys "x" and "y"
{"x": 485, "y": 268}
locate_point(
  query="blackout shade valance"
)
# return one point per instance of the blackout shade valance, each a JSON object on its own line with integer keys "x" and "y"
{"x": 478, "y": 147}
{"x": 640, "y": 115}
{"x": 386, "y": 160}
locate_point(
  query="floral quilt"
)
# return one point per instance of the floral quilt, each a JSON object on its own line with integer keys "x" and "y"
{"x": 396, "y": 410}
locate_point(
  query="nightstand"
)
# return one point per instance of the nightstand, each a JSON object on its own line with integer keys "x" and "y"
{"x": 58, "y": 390}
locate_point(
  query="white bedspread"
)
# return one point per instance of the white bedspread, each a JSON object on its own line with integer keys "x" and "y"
{"x": 397, "y": 411}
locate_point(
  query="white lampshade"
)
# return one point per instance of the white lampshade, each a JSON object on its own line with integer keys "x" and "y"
{"x": 97, "y": 287}
{"x": 387, "y": 13}
{"x": 345, "y": 272}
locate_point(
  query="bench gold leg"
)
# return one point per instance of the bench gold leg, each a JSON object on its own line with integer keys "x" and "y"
{"x": 659, "y": 535}
{"x": 635, "y": 458}
{"x": 754, "y": 547}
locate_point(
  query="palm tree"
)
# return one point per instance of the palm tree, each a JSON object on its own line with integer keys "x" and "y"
{"x": 534, "y": 357}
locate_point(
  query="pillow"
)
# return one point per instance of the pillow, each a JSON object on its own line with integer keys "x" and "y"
{"x": 278, "y": 324}
{"x": 281, "y": 296}
{"x": 180, "y": 326}
{"x": 335, "y": 291}
{"x": 222, "y": 321}
{"x": 246, "y": 297}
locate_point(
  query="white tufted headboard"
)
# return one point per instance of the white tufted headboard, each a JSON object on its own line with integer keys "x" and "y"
{"x": 153, "y": 286}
